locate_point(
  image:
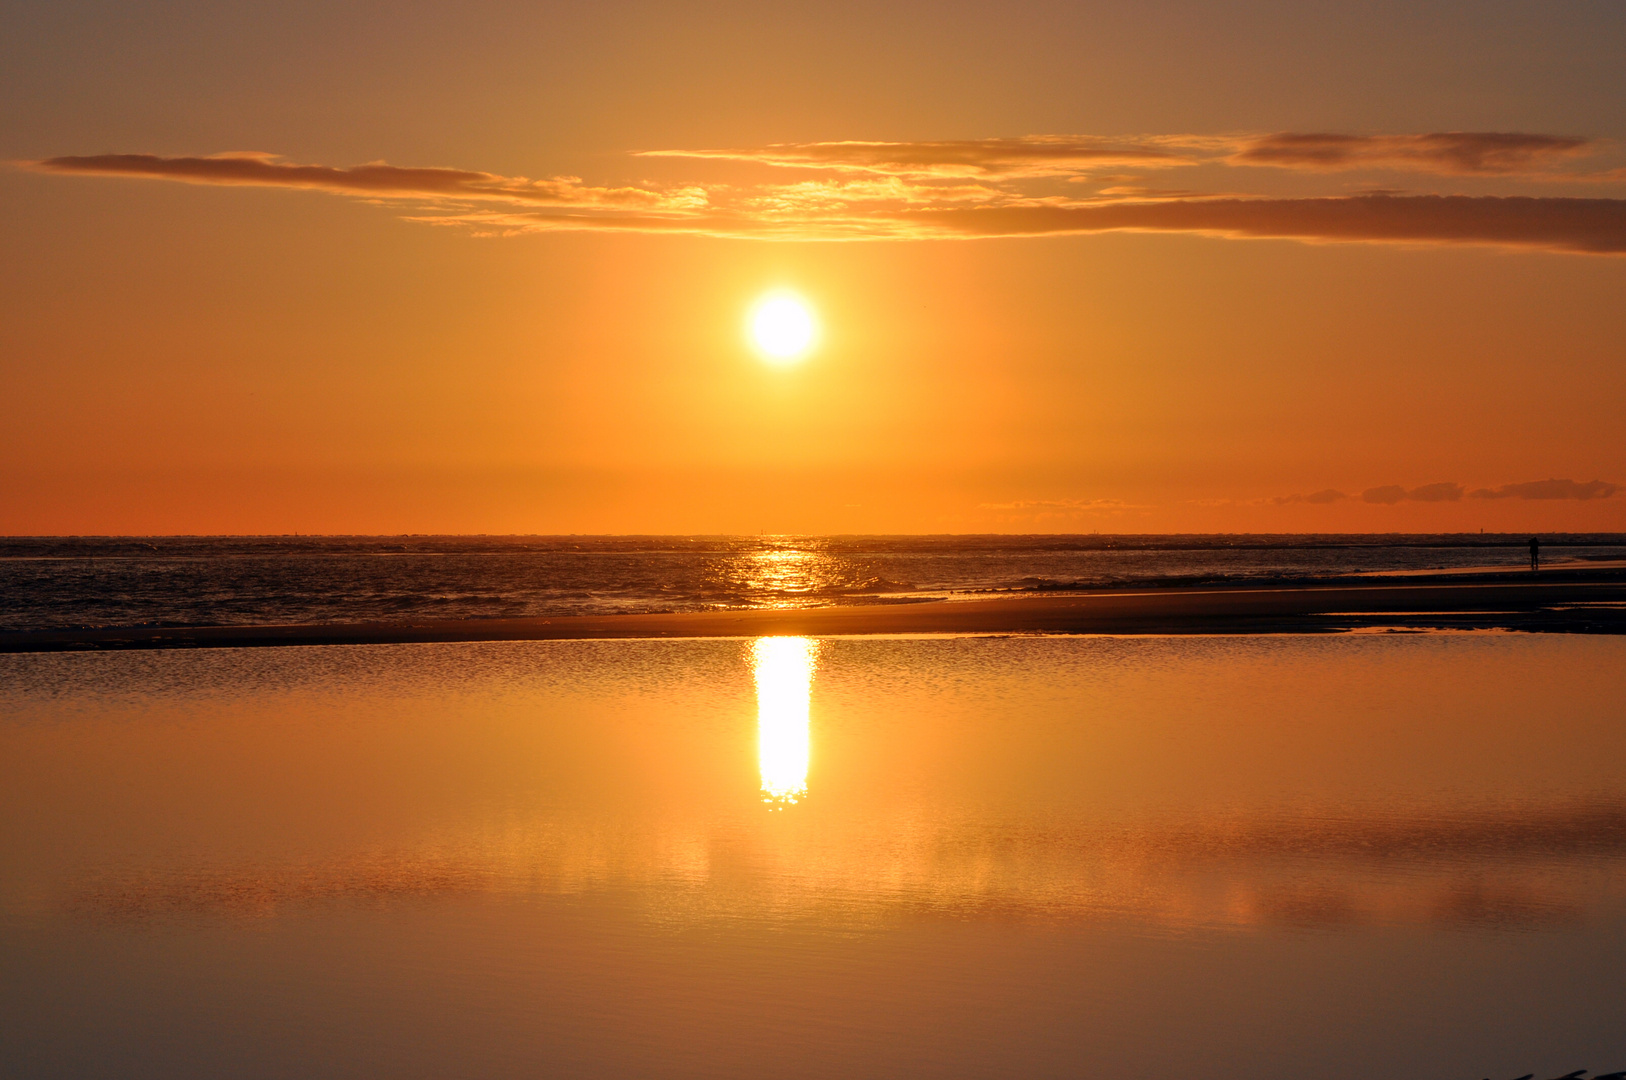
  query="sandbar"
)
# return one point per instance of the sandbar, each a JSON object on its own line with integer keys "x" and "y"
{"x": 1579, "y": 603}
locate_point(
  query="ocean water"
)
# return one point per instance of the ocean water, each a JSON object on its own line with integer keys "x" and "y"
{"x": 57, "y": 582}
{"x": 1216, "y": 858}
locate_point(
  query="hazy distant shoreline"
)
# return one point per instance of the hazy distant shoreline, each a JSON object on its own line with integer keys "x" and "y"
{"x": 1590, "y": 602}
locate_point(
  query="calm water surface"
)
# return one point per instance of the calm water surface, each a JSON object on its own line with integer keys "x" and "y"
{"x": 1353, "y": 856}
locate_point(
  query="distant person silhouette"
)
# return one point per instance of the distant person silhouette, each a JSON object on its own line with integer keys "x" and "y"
{"x": 1535, "y": 552}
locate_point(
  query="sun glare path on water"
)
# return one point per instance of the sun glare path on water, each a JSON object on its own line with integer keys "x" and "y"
{"x": 782, "y": 328}
{"x": 783, "y": 668}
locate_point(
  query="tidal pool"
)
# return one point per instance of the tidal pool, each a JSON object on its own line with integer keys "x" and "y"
{"x": 1350, "y": 856}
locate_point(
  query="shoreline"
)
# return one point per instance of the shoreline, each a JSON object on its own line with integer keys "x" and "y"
{"x": 1587, "y": 606}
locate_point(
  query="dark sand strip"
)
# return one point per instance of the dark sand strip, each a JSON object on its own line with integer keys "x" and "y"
{"x": 1586, "y": 607}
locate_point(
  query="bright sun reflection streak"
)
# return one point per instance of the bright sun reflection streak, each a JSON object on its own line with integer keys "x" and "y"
{"x": 783, "y": 667}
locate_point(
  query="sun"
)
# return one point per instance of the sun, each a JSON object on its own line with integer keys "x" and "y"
{"x": 782, "y": 328}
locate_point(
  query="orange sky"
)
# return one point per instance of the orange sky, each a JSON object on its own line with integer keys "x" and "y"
{"x": 390, "y": 268}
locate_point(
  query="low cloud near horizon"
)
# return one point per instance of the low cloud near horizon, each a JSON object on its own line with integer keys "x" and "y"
{"x": 1445, "y": 491}
{"x": 977, "y": 189}
{"x": 1062, "y": 507}
{"x": 1390, "y": 494}
{"x": 1549, "y": 489}
{"x": 1320, "y": 498}
{"x": 1450, "y": 491}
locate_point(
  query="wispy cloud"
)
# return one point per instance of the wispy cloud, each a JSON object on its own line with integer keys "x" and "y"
{"x": 1025, "y": 156}
{"x": 1452, "y": 152}
{"x": 375, "y": 180}
{"x": 1449, "y": 152}
{"x": 1549, "y": 489}
{"x": 958, "y": 190}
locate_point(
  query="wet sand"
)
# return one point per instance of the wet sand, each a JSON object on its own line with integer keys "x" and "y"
{"x": 1205, "y": 857}
{"x": 1592, "y": 603}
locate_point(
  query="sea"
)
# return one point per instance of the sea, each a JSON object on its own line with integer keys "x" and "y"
{"x": 66, "y": 582}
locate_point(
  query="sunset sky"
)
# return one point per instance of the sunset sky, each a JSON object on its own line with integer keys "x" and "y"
{"x": 489, "y": 267}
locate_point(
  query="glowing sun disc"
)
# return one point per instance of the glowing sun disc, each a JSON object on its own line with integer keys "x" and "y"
{"x": 782, "y": 328}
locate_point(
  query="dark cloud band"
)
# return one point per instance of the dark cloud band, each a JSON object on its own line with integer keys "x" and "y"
{"x": 1441, "y": 152}
{"x": 377, "y": 179}
{"x": 1595, "y": 226}
{"x": 898, "y": 208}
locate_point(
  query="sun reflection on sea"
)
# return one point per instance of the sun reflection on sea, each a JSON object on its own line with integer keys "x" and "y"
{"x": 789, "y": 571}
{"x": 783, "y": 668}
{"x": 785, "y": 573}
